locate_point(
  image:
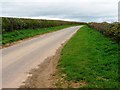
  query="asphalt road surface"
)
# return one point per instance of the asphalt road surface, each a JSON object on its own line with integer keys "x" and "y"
{"x": 19, "y": 59}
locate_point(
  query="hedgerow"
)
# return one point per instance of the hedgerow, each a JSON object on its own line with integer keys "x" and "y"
{"x": 12, "y": 24}
{"x": 111, "y": 30}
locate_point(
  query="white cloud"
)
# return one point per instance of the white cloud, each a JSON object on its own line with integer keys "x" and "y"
{"x": 78, "y": 10}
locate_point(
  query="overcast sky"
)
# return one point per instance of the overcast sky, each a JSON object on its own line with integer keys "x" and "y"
{"x": 73, "y": 10}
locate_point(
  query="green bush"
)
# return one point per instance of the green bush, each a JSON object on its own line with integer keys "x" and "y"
{"x": 12, "y": 24}
{"x": 111, "y": 30}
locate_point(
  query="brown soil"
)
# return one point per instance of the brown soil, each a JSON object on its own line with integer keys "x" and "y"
{"x": 42, "y": 77}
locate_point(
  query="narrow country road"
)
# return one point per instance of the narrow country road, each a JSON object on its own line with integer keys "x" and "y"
{"x": 19, "y": 59}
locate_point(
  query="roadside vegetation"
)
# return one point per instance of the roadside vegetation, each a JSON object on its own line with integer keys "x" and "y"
{"x": 13, "y": 24}
{"x": 16, "y": 35}
{"x": 111, "y": 30}
{"x": 14, "y": 29}
{"x": 89, "y": 60}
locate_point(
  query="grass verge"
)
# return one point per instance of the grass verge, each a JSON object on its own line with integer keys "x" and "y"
{"x": 91, "y": 58}
{"x": 10, "y": 37}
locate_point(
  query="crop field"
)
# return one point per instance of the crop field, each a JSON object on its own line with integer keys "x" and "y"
{"x": 89, "y": 57}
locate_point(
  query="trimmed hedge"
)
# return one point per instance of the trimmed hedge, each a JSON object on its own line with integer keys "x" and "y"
{"x": 11, "y": 24}
{"x": 111, "y": 30}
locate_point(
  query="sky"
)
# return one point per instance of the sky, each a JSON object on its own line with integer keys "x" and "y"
{"x": 70, "y": 10}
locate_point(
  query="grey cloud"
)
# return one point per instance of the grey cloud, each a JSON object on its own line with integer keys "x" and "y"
{"x": 74, "y": 10}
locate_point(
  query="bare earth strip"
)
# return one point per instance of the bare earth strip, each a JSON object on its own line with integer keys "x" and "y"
{"x": 19, "y": 59}
{"x": 43, "y": 76}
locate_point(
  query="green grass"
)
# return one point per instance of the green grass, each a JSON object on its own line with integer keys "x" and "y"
{"x": 10, "y": 37}
{"x": 91, "y": 57}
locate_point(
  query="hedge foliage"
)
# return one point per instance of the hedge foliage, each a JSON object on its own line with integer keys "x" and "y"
{"x": 11, "y": 24}
{"x": 111, "y": 30}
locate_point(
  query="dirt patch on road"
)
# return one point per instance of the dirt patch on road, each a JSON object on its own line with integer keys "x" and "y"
{"x": 42, "y": 77}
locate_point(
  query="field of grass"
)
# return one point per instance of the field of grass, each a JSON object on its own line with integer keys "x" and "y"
{"x": 10, "y": 37}
{"x": 92, "y": 58}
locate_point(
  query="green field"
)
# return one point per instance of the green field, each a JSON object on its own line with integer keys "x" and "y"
{"x": 13, "y": 36}
{"x": 90, "y": 57}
